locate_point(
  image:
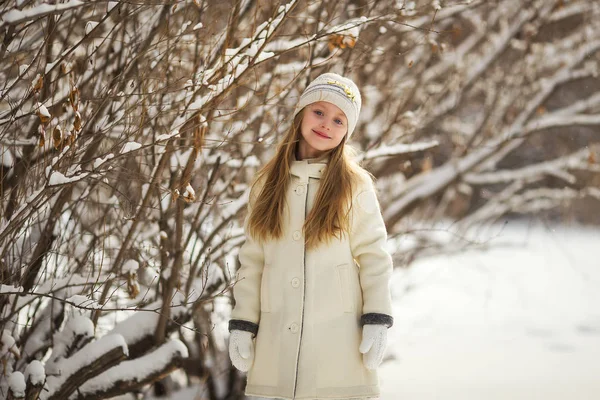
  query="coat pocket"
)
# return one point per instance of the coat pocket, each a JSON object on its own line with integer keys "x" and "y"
{"x": 265, "y": 289}
{"x": 343, "y": 272}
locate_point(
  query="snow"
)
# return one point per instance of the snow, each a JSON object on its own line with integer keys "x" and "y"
{"x": 23, "y": 68}
{"x": 16, "y": 381}
{"x": 89, "y": 26}
{"x": 81, "y": 359}
{"x": 166, "y": 136}
{"x": 197, "y": 26}
{"x": 137, "y": 369}
{"x": 101, "y": 160}
{"x": 143, "y": 323}
{"x": 10, "y": 289}
{"x": 130, "y": 267}
{"x": 35, "y": 373}
{"x": 518, "y": 321}
{"x": 383, "y": 151}
{"x": 43, "y": 110}
{"x": 63, "y": 340}
{"x": 58, "y": 178}
{"x": 51, "y": 65}
{"x": 130, "y": 146}
{"x": 351, "y": 27}
{"x": 7, "y": 342}
{"x": 189, "y": 192}
{"x": 16, "y": 16}
{"x": 83, "y": 301}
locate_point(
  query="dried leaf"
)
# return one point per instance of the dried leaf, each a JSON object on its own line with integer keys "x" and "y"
{"x": 74, "y": 98}
{"x": 592, "y": 157}
{"x": 69, "y": 139}
{"x": 341, "y": 42}
{"x": 189, "y": 196}
{"x": 199, "y": 132}
{"x": 456, "y": 32}
{"x": 427, "y": 164}
{"x": 57, "y": 136}
{"x": 45, "y": 117}
{"x": 77, "y": 122}
{"x": 133, "y": 288}
{"x": 541, "y": 110}
{"x": 38, "y": 83}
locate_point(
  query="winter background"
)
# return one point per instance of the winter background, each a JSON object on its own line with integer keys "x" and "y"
{"x": 130, "y": 132}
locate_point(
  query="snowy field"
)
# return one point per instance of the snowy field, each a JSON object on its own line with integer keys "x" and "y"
{"x": 518, "y": 321}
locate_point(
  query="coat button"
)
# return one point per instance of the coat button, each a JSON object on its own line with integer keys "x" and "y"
{"x": 295, "y": 282}
{"x": 297, "y": 235}
{"x": 300, "y": 190}
{"x": 294, "y": 328}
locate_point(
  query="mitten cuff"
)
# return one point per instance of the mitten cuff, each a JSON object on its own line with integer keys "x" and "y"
{"x": 242, "y": 325}
{"x": 376, "y": 319}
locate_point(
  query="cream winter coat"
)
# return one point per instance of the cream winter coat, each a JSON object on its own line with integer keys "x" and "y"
{"x": 308, "y": 305}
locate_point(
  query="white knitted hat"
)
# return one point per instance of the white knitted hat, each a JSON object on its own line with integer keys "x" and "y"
{"x": 334, "y": 89}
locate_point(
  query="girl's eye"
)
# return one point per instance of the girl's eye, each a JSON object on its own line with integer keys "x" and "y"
{"x": 319, "y": 112}
{"x": 338, "y": 121}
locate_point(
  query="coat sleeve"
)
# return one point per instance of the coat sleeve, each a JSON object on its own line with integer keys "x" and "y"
{"x": 246, "y": 290}
{"x": 368, "y": 243}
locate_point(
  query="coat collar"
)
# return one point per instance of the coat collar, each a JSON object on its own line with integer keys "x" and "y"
{"x": 309, "y": 168}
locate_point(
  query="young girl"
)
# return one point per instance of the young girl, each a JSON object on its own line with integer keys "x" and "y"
{"x": 313, "y": 289}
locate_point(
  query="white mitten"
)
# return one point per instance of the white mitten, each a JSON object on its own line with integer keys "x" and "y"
{"x": 374, "y": 342}
{"x": 241, "y": 349}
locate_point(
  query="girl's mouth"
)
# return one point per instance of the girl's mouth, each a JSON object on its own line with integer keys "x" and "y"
{"x": 321, "y": 134}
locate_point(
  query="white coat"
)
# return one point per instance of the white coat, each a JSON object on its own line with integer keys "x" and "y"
{"x": 307, "y": 303}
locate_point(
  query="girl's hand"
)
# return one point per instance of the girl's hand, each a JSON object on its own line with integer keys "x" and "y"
{"x": 373, "y": 345}
{"x": 241, "y": 349}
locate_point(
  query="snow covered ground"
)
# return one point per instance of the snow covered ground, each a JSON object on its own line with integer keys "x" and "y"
{"x": 518, "y": 321}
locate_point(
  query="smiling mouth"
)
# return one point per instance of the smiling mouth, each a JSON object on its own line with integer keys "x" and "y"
{"x": 321, "y": 134}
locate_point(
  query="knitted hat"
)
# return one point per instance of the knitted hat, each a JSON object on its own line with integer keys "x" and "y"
{"x": 334, "y": 89}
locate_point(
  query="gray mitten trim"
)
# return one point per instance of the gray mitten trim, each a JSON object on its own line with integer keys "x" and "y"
{"x": 242, "y": 325}
{"x": 376, "y": 319}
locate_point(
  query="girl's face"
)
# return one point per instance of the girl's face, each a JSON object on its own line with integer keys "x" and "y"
{"x": 323, "y": 128}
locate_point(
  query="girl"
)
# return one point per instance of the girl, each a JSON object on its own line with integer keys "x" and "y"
{"x": 314, "y": 271}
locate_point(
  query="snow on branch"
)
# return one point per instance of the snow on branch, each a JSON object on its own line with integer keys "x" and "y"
{"x": 238, "y": 60}
{"x": 138, "y": 330}
{"x": 398, "y": 149}
{"x": 557, "y": 167}
{"x": 571, "y": 9}
{"x": 132, "y": 374}
{"x": 77, "y": 332}
{"x": 15, "y": 16}
{"x": 17, "y": 385}
{"x": 558, "y": 120}
{"x": 93, "y": 359}
{"x": 35, "y": 376}
{"x": 539, "y": 199}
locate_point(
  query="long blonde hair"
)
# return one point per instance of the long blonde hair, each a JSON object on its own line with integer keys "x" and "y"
{"x": 330, "y": 215}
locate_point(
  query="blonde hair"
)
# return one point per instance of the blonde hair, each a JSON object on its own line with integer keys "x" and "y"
{"x": 330, "y": 215}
